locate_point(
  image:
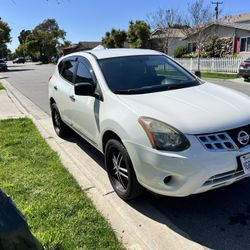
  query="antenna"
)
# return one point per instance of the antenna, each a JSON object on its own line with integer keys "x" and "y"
{"x": 217, "y": 8}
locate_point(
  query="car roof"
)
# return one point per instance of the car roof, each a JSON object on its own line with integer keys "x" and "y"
{"x": 109, "y": 53}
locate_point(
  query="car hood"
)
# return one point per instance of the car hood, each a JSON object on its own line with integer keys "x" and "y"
{"x": 201, "y": 109}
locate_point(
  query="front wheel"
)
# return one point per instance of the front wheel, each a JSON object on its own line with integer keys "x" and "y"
{"x": 120, "y": 171}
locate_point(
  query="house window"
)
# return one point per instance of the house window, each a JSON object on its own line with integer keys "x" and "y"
{"x": 191, "y": 47}
{"x": 245, "y": 44}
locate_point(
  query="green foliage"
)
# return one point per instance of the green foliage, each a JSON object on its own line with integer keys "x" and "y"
{"x": 180, "y": 51}
{"x": 138, "y": 34}
{"x": 4, "y": 38}
{"x": 23, "y": 36}
{"x": 114, "y": 39}
{"x": 43, "y": 42}
{"x": 59, "y": 213}
{"x": 218, "y": 47}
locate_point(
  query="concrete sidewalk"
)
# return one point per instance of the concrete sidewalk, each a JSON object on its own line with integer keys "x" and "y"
{"x": 137, "y": 225}
{"x": 8, "y": 109}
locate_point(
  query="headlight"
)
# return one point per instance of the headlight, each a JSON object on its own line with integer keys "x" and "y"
{"x": 162, "y": 136}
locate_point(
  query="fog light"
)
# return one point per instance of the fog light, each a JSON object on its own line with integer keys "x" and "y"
{"x": 167, "y": 179}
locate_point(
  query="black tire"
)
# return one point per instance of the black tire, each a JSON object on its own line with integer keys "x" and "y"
{"x": 246, "y": 77}
{"x": 60, "y": 127}
{"x": 123, "y": 181}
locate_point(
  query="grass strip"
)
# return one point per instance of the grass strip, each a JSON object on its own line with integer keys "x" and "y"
{"x": 1, "y": 86}
{"x": 219, "y": 75}
{"x": 59, "y": 213}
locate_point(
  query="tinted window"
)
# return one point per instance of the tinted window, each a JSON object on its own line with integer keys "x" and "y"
{"x": 243, "y": 44}
{"x": 83, "y": 74}
{"x": 60, "y": 67}
{"x": 144, "y": 74}
{"x": 68, "y": 70}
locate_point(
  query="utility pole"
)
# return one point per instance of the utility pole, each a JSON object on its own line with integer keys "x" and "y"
{"x": 217, "y": 8}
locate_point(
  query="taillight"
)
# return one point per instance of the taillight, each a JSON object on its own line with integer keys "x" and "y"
{"x": 244, "y": 65}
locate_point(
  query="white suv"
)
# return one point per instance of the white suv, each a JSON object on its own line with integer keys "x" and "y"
{"x": 159, "y": 126}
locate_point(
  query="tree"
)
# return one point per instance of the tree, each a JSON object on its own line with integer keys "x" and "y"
{"x": 166, "y": 22}
{"x": 114, "y": 39}
{"x": 198, "y": 18}
{"x": 44, "y": 40}
{"x": 4, "y": 38}
{"x": 138, "y": 34}
{"x": 23, "y": 36}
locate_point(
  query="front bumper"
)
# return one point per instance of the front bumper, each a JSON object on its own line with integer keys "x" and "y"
{"x": 192, "y": 171}
{"x": 244, "y": 72}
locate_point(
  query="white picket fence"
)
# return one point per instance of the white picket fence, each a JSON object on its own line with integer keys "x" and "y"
{"x": 227, "y": 65}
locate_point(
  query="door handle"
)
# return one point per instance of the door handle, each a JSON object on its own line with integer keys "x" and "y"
{"x": 72, "y": 98}
{"x": 55, "y": 87}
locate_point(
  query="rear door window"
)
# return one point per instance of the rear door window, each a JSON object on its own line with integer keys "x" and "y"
{"x": 68, "y": 70}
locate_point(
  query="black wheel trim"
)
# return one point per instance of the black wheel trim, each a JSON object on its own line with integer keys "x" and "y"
{"x": 118, "y": 170}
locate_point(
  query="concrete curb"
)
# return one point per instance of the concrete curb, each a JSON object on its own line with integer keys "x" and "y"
{"x": 137, "y": 225}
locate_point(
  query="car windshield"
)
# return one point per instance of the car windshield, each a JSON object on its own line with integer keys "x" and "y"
{"x": 145, "y": 74}
{"x": 2, "y": 61}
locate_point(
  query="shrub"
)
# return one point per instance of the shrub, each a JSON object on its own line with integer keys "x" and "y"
{"x": 180, "y": 51}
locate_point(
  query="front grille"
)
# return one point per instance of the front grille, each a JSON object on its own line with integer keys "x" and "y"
{"x": 219, "y": 179}
{"x": 225, "y": 140}
{"x": 233, "y": 133}
{"x": 217, "y": 142}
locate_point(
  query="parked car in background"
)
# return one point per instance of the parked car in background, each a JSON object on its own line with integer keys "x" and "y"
{"x": 3, "y": 65}
{"x": 158, "y": 125}
{"x": 19, "y": 60}
{"x": 244, "y": 69}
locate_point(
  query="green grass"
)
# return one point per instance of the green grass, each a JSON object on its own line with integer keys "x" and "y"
{"x": 1, "y": 86}
{"x": 219, "y": 75}
{"x": 58, "y": 212}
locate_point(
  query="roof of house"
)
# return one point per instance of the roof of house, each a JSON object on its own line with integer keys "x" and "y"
{"x": 242, "y": 26}
{"x": 235, "y": 19}
{"x": 82, "y": 46}
{"x": 171, "y": 32}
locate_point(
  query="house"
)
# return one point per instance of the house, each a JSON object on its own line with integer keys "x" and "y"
{"x": 234, "y": 30}
{"x": 80, "y": 47}
{"x": 237, "y": 36}
{"x": 167, "y": 40}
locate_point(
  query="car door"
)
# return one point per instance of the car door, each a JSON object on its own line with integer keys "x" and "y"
{"x": 65, "y": 88}
{"x": 85, "y": 110}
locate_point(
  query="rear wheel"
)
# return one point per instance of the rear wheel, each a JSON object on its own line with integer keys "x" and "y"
{"x": 120, "y": 171}
{"x": 60, "y": 127}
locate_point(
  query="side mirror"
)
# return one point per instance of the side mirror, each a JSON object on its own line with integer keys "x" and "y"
{"x": 84, "y": 89}
{"x": 197, "y": 73}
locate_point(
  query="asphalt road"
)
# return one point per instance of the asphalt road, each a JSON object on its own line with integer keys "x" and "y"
{"x": 218, "y": 219}
{"x": 31, "y": 79}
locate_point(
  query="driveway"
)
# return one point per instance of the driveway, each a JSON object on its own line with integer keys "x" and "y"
{"x": 218, "y": 219}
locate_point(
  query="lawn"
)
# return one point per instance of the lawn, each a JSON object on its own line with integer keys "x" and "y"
{"x": 58, "y": 212}
{"x": 1, "y": 86}
{"x": 219, "y": 75}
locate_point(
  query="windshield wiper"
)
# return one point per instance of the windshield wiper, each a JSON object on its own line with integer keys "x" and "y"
{"x": 134, "y": 91}
{"x": 148, "y": 89}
